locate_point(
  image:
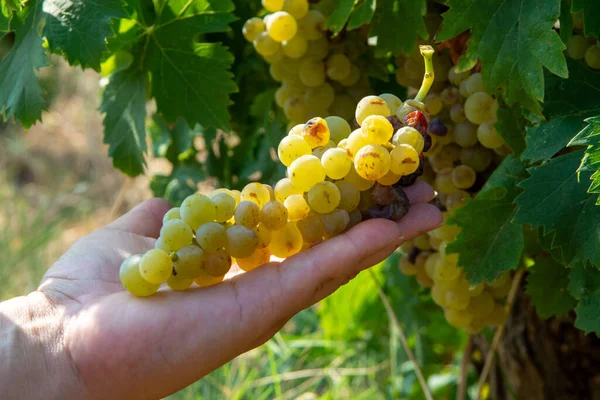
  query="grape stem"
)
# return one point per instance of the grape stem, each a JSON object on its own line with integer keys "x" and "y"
{"x": 427, "y": 53}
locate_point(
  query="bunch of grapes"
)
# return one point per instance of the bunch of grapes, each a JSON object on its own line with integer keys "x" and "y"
{"x": 581, "y": 47}
{"x": 319, "y": 76}
{"x": 336, "y": 178}
{"x": 466, "y": 148}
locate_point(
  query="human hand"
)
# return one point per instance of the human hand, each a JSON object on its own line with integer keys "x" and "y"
{"x": 123, "y": 347}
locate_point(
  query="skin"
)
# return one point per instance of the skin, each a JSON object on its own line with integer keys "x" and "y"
{"x": 80, "y": 335}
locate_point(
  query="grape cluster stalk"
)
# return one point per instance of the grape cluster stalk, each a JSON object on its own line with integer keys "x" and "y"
{"x": 465, "y": 149}
{"x": 336, "y": 178}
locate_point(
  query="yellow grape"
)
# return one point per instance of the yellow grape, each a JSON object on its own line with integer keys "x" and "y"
{"x": 377, "y": 129}
{"x": 286, "y": 242}
{"x": 224, "y": 206}
{"x": 371, "y": 105}
{"x": 352, "y": 78}
{"x": 478, "y": 107}
{"x": 273, "y": 5}
{"x": 297, "y": 207}
{"x": 211, "y": 237}
{"x": 306, "y": 171}
{"x": 265, "y": 45}
{"x": 389, "y": 179}
{"x": 173, "y": 213}
{"x": 295, "y": 109}
{"x": 274, "y": 215}
{"x": 291, "y": 148}
{"x": 372, "y": 162}
{"x": 324, "y": 197}
{"x": 477, "y": 157}
{"x": 457, "y": 300}
{"x": 482, "y": 305}
{"x": 475, "y": 83}
{"x": 433, "y": 103}
{"x": 241, "y": 241}
{"x": 257, "y": 193}
{"x": 438, "y": 294}
{"x": 196, "y": 210}
{"x": 349, "y": 195}
{"x": 311, "y": 228}
{"x": 156, "y": 266}
{"x": 445, "y": 271}
{"x": 338, "y": 127}
{"x": 247, "y": 214}
{"x": 295, "y": 47}
{"x": 336, "y": 162}
{"x": 457, "y": 113}
{"x": 252, "y": 28}
{"x": 421, "y": 242}
{"x": 406, "y": 267}
{"x": 465, "y": 134}
{"x": 488, "y": 136}
{"x": 205, "y": 279}
{"x": 132, "y": 280}
{"x": 176, "y": 234}
{"x": 318, "y": 49}
{"x": 321, "y": 96}
{"x": 356, "y": 141}
{"x": 312, "y": 72}
{"x": 338, "y": 67}
{"x": 443, "y": 183}
{"x": 410, "y": 136}
{"x": 285, "y": 188}
{"x": 259, "y": 257}
{"x": 458, "y": 318}
{"x": 219, "y": 262}
{"x": 336, "y": 222}
{"x": 312, "y": 25}
{"x": 463, "y": 177}
{"x": 297, "y": 8}
{"x": 404, "y": 160}
{"x": 592, "y": 56}
{"x": 263, "y": 234}
{"x": 358, "y": 181}
{"x": 190, "y": 262}
{"x": 296, "y": 130}
{"x": 343, "y": 107}
{"x": 281, "y": 26}
{"x": 278, "y": 56}
{"x": 178, "y": 283}
{"x": 393, "y": 102}
{"x": 316, "y": 132}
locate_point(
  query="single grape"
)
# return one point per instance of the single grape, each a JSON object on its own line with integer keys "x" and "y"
{"x": 265, "y": 45}
{"x": 173, "y": 213}
{"x": 450, "y": 95}
{"x": 257, "y": 193}
{"x": 478, "y": 107}
{"x": 372, "y": 162}
{"x": 477, "y": 157}
{"x": 190, "y": 262}
{"x": 482, "y": 305}
{"x": 273, "y": 5}
{"x": 445, "y": 271}
{"x": 285, "y": 188}
{"x": 389, "y": 179}
{"x": 463, "y": 177}
{"x": 297, "y": 8}
{"x": 178, "y": 283}
{"x": 278, "y": 56}
{"x": 465, "y": 134}
{"x": 434, "y": 103}
{"x": 224, "y": 206}
{"x": 295, "y": 109}
{"x": 358, "y": 181}
{"x": 274, "y": 215}
{"x": 291, "y": 148}
{"x": 577, "y": 46}
{"x": 475, "y": 83}
{"x": 456, "y": 200}
{"x": 457, "y": 114}
{"x": 295, "y": 47}
{"x": 259, "y": 257}
{"x": 336, "y": 162}
{"x": 443, "y": 183}
{"x": 356, "y": 141}
{"x": 205, "y": 279}
{"x": 404, "y": 160}
{"x": 211, "y": 237}
{"x": 316, "y": 132}
{"x": 282, "y": 26}
{"x": 343, "y": 107}
{"x": 218, "y": 263}
{"x": 409, "y": 136}
{"x": 286, "y": 242}
{"x": 312, "y": 72}
{"x": 457, "y": 300}
{"x": 349, "y": 195}
{"x": 252, "y": 28}
{"x": 455, "y": 77}
{"x": 488, "y": 136}
{"x": 247, "y": 214}
{"x": 263, "y": 234}
{"x": 297, "y": 207}
{"x": 393, "y": 102}
{"x": 338, "y": 128}
{"x": 161, "y": 245}
{"x": 321, "y": 97}
{"x": 352, "y": 78}
{"x": 336, "y": 222}
{"x": 132, "y": 280}
{"x": 306, "y": 171}
{"x": 406, "y": 267}
{"x": 458, "y": 318}
{"x": 338, "y": 67}
{"x": 317, "y": 48}
{"x": 156, "y": 266}
{"x": 324, "y": 197}
{"x": 438, "y": 294}
{"x": 176, "y": 234}
{"x": 311, "y": 228}
{"x": 377, "y": 129}
{"x": 371, "y": 105}
{"x": 312, "y": 25}
{"x": 196, "y": 210}
{"x": 592, "y": 56}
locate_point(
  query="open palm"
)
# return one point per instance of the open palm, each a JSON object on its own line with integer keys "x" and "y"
{"x": 120, "y": 346}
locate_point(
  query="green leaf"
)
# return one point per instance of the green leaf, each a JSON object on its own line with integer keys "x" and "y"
{"x": 339, "y": 16}
{"x": 591, "y": 11}
{"x": 587, "y": 312}
{"x": 590, "y": 137}
{"x": 190, "y": 79}
{"x": 583, "y": 281}
{"x": 566, "y": 21}
{"x": 515, "y": 40}
{"x": 124, "y": 102}
{"x": 398, "y": 24}
{"x": 79, "y": 28}
{"x": 362, "y": 14}
{"x": 568, "y": 104}
{"x": 547, "y": 285}
{"x": 556, "y": 199}
{"x": 511, "y": 126}
{"x": 20, "y": 90}
{"x": 4, "y": 23}
{"x": 489, "y": 243}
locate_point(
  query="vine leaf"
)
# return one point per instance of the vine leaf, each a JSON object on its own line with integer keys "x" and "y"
{"x": 590, "y": 137}
{"x": 79, "y": 28}
{"x": 363, "y": 14}
{"x": 587, "y": 313}
{"x": 124, "y": 103}
{"x": 568, "y": 104}
{"x": 515, "y": 40}
{"x": 4, "y": 23}
{"x": 591, "y": 10}
{"x": 396, "y": 37}
{"x": 489, "y": 243}
{"x": 20, "y": 90}
{"x": 340, "y": 15}
{"x": 583, "y": 281}
{"x": 566, "y": 21}
{"x": 547, "y": 285}
{"x": 556, "y": 199}
{"x": 511, "y": 126}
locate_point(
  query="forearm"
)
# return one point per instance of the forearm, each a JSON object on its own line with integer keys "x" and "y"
{"x": 33, "y": 363}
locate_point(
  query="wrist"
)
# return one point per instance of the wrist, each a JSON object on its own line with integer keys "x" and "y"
{"x": 35, "y": 363}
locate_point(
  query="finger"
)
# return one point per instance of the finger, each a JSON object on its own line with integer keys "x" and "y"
{"x": 420, "y": 192}
{"x": 144, "y": 220}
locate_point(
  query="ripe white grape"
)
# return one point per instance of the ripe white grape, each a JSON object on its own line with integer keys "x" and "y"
{"x": 291, "y": 148}
{"x": 477, "y": 157}
{"x": 457, "y": 77}
{"x": 478, "y": 107}
{"x": 132, "y": 280}
{"x": 224, "y": 206}
{"x": 317, "y": 49}
{"x": 312, "y": 25}
{"x": 320, "y": 97}
{"x": 356, "y": 141}
{"x": 297, "y": 8}
{"x": 257, "y": 193}
{"x": 457, "y": 113}
{"x": 392, "y": 101}
{"x": 434, "y": 104}
{"x": 465, "y": 134}
{"x": 311, "y": 228}
{"x": 463, "y": 176}
{"x": 247, "y": 214}
{"x": 196, "y": 210}
{"x": 577, "y": 46}
{"x": 178, "y": 283}
{"x": 336, "y": 222}
{"x": 592, "y": 56}
{"x": 273, "y": 5}
{"x": 316, "y": 132}
{"x": 389, "y": 179}
{"x": 336, "y": 163}
{"x": 265, "y": 45}
{"x": 488, "y": 136}
{"x": 263, "y": 234}
{"x": 156, "y": 266}
{"x": 295, "y": 47}
{"x": 409, "y": 136}
{"x": 404, "y": 160}
{"x": 259, "y": 257}
{"x": 252, "y": 28}
{"x": 377, "y": 129}
{"x": 312, "y": 72}
{"x": 324, "y": 197}
{"x": 176, "y": 234}
{"x": 241, "y": 241}
{"x": 475, "y": 83}
{"x": 211, "y": 237}
{"x": 352, "y": 78}
{"x": 372, "y": 162}
{"x": 371, "y": 105}
{"x": 287, "y": 241}
{"x": 205, "y": 279}
{"x": 358, "y": 181}
{"x": 295, "y": 109}
{"x": 173, "y": 213}
{"x": 190, "y": 262}
{"x": 217, "y": 264}
{"x": 282, "y": 26}
{"x": 297, "y": 207}
{"x": 306, "y": 171}
{"x": 274, "y": 215}
{"x": 338, "y": 128}
{"x": 338, "y": 67}
{"x": 285, "y": 188}
{"x": 349, "y": 195}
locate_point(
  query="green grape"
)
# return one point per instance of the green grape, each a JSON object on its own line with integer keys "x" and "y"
{"x": 336, "y": 163}
{"x": 276, "y": 57}
{"x": 457, "y": 113}
{"x": 406, "y": 267}
{"x": 297, "y": 207}
{"x": 352, "y": 78}
{"x": 176, "y": 234}
{"x": 592, "y": 56}
{"x": 404, "y": 160}
{"x": 257, "y": 193}
{"x": 457, "y": 300}
{"x": 205, "y": 279}
{"x": 421, "y": 242}
{"x": 409, "y": 136}
{"x": 338, "y": 67}
{"x": 377, "y": 129}
{"x": 482, "y": 305}
{"x": 324, "y": 197}
{"x": 265, "y": 45}
{"x": 457, "y": 199}
{"x": 356, "y": 141}
{"x": 178, "y": 283}
{"x": 287, "y": 241}
{"x": 241, "y": 241}
{"x": 488, "y": 136}
{"x": 312, "y": 72}
{"x": 450, "y": 95}
{"x": 173, "y": 213}
{"x": 317, "y": 49}
{"x": 296, "y": 130}
{"x": 336, "y": 222}
{"x": 263, "y": 234}
{"x": 371, "y": 105}
{"x": 295, "y": 47}
{"x": 236, "y": 195}
{"x": 475, "y": 84}
{"x": 476, "y": 290}
{"x": 156, "y": 266}
{"x": 316, "y": 132}
{"x": 358, "y": 181}
{"x": 478, "y": 107}
{"x": 389, "y": 179}
{"x": 211, "y": 237}
{"x": 438, "y": 294}
{"x": 306, "y": 171}
{"x": 431, "y": 262}
{"x": 161, "y": 245}
{"x": 196, "y": 210}
{"x": 321, "y": 97}
{"x": 295, "y": 109}
{"x": 443, "y": 183}
{"x": 349, "y": 195}
{"x": 393, "y": 102}
{"x": 312, "y": 25}
{"x": 465, "y": 134}
{"x": 224, "y": 206}
{"x": 338, "y": 127}
{"x": 372, "y": 162}
{"x": 462, "y": 89}
{"x": 282, "y": 94}
{"x": 298, "y": 8}
{"x": 277, "y": 72}
{"x": 285, "y": 188}
{"x": 477, "y": 157}
{"x": 458, "y": 318}
{"x": 577, "y": 46}
{"x": 434, "y": 103}
{"x": 252, "y": 28}
{"x": 445, "y": 271}
{"x": 463, "y": 177}
{"x": 282, "y": 26}
{"x": 190, "y": 262}
{"x": 319, "y": 151}
{"x": 311, "y": 228}
{"x": 291, "y": 148}
{"x": 455, "y": 77}
{"x": 443, "y": 161}
{"x": 274, "y": 215}
{"x": 259, "y": 257}
{"x": 343, "y": 107}
{"x": 132, "y": 280}
{"x": 273, "y": 5}
{"x": 219, "y": 262}
{"x": 247, "y": 214}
